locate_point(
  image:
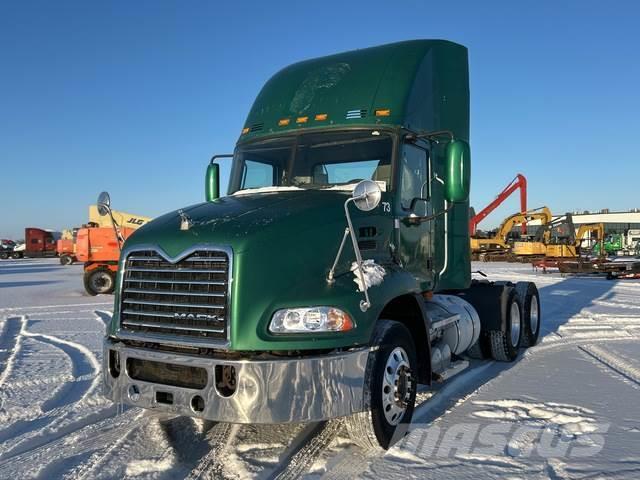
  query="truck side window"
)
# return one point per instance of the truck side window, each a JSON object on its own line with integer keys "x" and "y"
{"x": 414, "y": 171}
{"x": 257, "y": 174}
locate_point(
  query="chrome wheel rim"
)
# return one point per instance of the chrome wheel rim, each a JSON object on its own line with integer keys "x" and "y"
{"x": 101, "y": 283}
{"x": 514, "y": 318}
{"x": 397, "y": 385}
{"x": 534, "y": 315}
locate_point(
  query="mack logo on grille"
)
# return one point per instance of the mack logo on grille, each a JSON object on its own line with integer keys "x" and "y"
{"x": 197, "y": 316}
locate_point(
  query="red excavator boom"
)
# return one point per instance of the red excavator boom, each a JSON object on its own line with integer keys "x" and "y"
{"x": 520, "y": 182}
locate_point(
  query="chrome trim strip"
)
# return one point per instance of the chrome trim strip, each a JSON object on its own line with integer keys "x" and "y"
{"x": 175, "y": 326}
{"x": 174, "y": 292}
{"x": 171, "y": 304}
{"x": 182, "y": 340}
{"x": 151, "y": 314}
{"x": 159, "y": 259}
{"x": 178, "y": 270}
{"x": 277, "y": 390}
{"x": 180, "y": 282}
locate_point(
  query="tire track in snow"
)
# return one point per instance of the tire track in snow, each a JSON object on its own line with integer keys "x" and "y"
{"x": 55, "y": 411}
{"x": 94, "y": 435}
{"x": 211, "y": 465}
{"x": 10, "y": 345}
{"x": 305, "y": 449}
{"x": 98, "y": 458}
{"x": 617, "y": 363}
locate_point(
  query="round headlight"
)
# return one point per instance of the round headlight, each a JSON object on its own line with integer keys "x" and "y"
{"x": 291, "y": 320}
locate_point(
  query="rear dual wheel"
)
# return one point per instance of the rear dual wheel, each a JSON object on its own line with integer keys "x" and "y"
{"x": 504, "y": 343}
{"x": 530, "y": 307}
{"x": 520, "y": 322}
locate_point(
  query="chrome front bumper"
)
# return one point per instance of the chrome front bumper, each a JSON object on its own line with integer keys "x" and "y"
{"x": 305, "y": 389}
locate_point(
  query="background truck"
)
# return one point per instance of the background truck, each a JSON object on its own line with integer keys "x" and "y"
{"x": 98, "y": 246}
{"x": 335, "y": 276}
{"x": 39, "y": 242}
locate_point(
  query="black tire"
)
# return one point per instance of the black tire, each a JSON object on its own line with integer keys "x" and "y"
{"x": 4, "y": 255}
{"x": 16, "y": 255}
{"x": 99, "y": 281}
{"x": 66, "y": 259}
{"x": 371, "y": 429}
{"x": 531, "y": 315}
{"x": 504, "y": 346}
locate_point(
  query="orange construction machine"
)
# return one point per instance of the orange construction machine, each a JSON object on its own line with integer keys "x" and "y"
{"x": 98, "y": 244}
{"x": 99, "y": 249}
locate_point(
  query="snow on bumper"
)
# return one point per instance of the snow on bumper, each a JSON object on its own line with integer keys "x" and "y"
{"x": 304, "y": 389}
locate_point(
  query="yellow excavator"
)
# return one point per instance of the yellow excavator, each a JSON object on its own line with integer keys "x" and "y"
{"x": 595, "y": 232}
{"x": 497, "y": 246}
{"x": 558, "y": 239}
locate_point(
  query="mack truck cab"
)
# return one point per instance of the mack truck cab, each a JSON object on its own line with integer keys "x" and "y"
{"x": 333, "y": 278}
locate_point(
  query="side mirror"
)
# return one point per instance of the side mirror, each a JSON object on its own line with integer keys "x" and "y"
{"x": 212, "y": 178}
{"x": 212, "y": 182}
{"x": 367, "y": 195}
{"x": 104, "y": 203}
{"x": 458, "y": 172}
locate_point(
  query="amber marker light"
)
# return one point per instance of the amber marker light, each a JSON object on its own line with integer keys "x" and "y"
{"x": 245, "y": 130}
{"x": 302, "y": 119}
{"x": 283, "y": 122}
{"x": 383, "y": 112}
{"x": 338, "y": 320}
{"x": 321, "y": 117}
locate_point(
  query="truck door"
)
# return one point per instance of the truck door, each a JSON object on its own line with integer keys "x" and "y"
{"x": 414, "y": 237}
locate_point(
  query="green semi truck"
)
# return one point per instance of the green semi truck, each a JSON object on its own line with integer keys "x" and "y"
{"x": 334, "y": 277}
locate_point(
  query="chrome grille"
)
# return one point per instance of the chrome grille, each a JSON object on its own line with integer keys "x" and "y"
{"x": 187, "y": 298}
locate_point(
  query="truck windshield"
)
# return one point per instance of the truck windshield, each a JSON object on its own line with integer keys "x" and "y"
{"x": 312, "y": 161}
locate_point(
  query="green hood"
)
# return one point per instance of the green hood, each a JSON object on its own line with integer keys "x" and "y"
{"x": 249, "y": 221}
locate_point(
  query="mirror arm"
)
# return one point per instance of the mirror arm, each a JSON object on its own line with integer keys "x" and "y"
{"x": 364, "y": 304}
{"x": 331, "y": 275}
{"x": 116, "y": 229}
{"x": 349, "y": 231}
{"x": 224, "y": 155}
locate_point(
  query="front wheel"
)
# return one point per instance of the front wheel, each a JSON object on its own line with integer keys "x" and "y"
{"x": 99, "y": 281}
{"x": 390, "y": 389}
{"x": 66, "y": 259}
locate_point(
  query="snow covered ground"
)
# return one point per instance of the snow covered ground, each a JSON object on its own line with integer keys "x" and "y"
{"x": 568, "y": 408}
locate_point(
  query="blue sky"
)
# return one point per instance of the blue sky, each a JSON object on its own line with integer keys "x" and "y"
{"x": 134, "y": 97}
